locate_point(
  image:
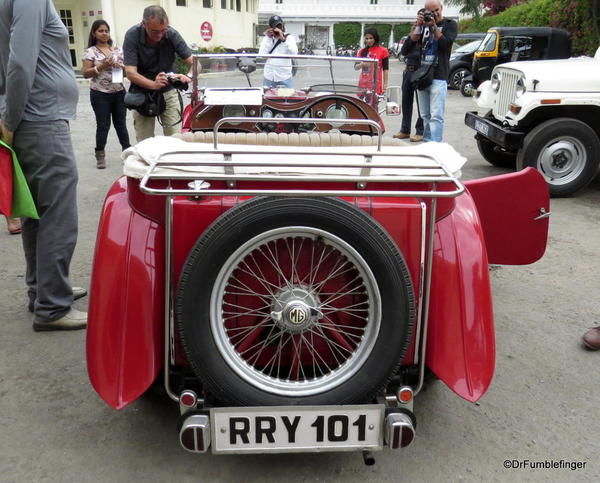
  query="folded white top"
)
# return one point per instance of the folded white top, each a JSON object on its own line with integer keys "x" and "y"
{"x": 190, "y": 158}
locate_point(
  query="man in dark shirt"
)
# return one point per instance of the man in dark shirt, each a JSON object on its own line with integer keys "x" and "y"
{"x": 149, "y": 50}
{"x": 436, "y": 37}
{"x": 411, "y": 51}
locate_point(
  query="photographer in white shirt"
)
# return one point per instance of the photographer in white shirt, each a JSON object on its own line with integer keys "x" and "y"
{"x": 278, "y": 72}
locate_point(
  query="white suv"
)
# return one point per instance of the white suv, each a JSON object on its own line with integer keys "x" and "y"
{"x": 544, "y": 114}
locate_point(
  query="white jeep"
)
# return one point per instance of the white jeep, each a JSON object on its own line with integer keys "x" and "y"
{"x": 544, "y": 114}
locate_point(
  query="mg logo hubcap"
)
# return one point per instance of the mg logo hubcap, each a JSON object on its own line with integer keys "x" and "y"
{"x": 298, "y": 314}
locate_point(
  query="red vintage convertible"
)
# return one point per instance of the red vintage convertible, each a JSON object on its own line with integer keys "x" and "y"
{"x": 298, "y": 298}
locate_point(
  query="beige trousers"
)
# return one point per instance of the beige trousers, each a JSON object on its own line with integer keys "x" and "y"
{"x": 170, "y": 118}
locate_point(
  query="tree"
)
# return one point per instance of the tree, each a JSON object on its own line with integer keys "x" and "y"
{"x": 497, "y": 6}
{"x": 468, "y": 7}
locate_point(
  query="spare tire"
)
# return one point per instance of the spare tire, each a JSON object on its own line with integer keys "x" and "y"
{"x": 294, "y": 301}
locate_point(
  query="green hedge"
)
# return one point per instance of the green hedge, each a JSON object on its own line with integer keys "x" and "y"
{"x": 574, "y": 16}
{"x": 348, "y": 33}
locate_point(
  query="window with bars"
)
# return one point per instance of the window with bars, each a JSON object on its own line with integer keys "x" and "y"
{"x": 66, "y": 16}
{"x": 223, "y": 4}
{"x": 238, "y": 5}
{"x": 207, "y": 3}
{"x": 410, "y": 2}
{"x": 373, "y": 2}
{"x": 181, "y": 3}
{"x": 278, "y": 1}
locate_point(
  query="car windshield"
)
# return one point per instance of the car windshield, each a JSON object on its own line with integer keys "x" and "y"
{"x": 312, "y": 74}
{"x": 468, "y": 48}
{"x": 489, "y": 43}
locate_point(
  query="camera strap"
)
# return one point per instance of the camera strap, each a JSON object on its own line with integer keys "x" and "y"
{"x": 276, "y": 44}
{"x": 180, "y": 112}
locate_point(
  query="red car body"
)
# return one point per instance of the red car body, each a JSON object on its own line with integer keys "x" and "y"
{"x": 496, "y": 220}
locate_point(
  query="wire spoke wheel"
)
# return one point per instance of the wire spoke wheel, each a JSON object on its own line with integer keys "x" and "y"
{"x": 295, "y": 311}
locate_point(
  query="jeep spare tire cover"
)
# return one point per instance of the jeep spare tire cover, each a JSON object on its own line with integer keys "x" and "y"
{"x": 294, "y": 301}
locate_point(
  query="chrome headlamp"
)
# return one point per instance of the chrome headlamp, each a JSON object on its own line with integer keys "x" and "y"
{"x": 496, "y": 78}
{"x": 520, "y": 88}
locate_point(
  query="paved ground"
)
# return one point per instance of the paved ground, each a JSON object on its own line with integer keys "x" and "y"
{"x": 542, "y": 405}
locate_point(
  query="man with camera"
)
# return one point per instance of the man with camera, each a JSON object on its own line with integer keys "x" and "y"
{"x": 149, "y": 50}
{"x": 278, "y": 72}
{"x": 436, "y": 35}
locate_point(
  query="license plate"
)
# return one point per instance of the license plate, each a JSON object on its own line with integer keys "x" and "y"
{"x": 482, "y": 127}
{"x": 296, "y": 428}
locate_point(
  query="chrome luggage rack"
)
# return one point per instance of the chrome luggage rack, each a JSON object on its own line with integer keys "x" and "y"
{"x": 398, "y": 171}
{"x": 431, "y": 173}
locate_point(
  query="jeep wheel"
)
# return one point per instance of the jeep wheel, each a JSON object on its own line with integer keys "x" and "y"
{"x": 566, "y": 151}
{"x": 456, "y": 77}
{"x": 494, "y": 154}
{"x": 294, "y": 301}
{"x": 466, "y": 87}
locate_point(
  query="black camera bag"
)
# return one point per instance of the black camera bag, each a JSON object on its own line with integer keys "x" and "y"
{"x": 422, "y": 78}
{"x": 147, "y": 103}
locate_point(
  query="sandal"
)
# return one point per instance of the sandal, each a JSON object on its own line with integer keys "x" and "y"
{"x": 13, "y": 225}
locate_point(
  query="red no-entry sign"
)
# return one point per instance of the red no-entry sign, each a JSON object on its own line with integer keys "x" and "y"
{"x": 206, "y": 31}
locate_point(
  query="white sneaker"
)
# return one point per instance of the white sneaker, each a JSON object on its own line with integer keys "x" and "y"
{"x": 72, "y": 320}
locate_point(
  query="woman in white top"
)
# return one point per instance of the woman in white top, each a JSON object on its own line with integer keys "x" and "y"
{"x": 278, "y": 71}
{"x": 103, "y": 64}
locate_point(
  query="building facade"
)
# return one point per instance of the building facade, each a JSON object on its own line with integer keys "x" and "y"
{"x": 313, "y": 20}
{"x": 231, "y": 23}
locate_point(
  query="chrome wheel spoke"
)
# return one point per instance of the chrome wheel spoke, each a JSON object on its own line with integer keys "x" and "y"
{"x": 274, "y": 261}
{"x": 268, "y": 340}
{"x": 354, "y": 291}
{"x": 333, "y": 327}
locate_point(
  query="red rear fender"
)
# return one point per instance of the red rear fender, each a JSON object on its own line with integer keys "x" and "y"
{"x": 460, "y": 343}
{"x": 125, "y": 319}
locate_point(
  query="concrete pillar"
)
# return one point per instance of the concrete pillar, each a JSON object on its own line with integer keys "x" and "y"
{"x": 108, "y": 14}
{"x": 362, "y": 35}
{"x": 391, "y": 41}
{"x": 332, "y": 38}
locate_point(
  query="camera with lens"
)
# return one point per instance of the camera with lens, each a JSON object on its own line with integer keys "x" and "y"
{"x": 175, "y": 82}
{"x": 428, "y": 16}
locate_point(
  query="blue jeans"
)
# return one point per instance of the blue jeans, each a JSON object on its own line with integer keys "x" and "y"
{"x": 273, "y": 84}
{"x": 106, "y": 106}
{"x": 432, "y": 104}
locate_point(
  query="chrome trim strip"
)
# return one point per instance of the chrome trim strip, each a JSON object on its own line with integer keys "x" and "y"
{"x": 421, "y": 281}
{"x": 346, "y": 193}
{"x": 429, "y": 262}
{"x": 169, "y": 329}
